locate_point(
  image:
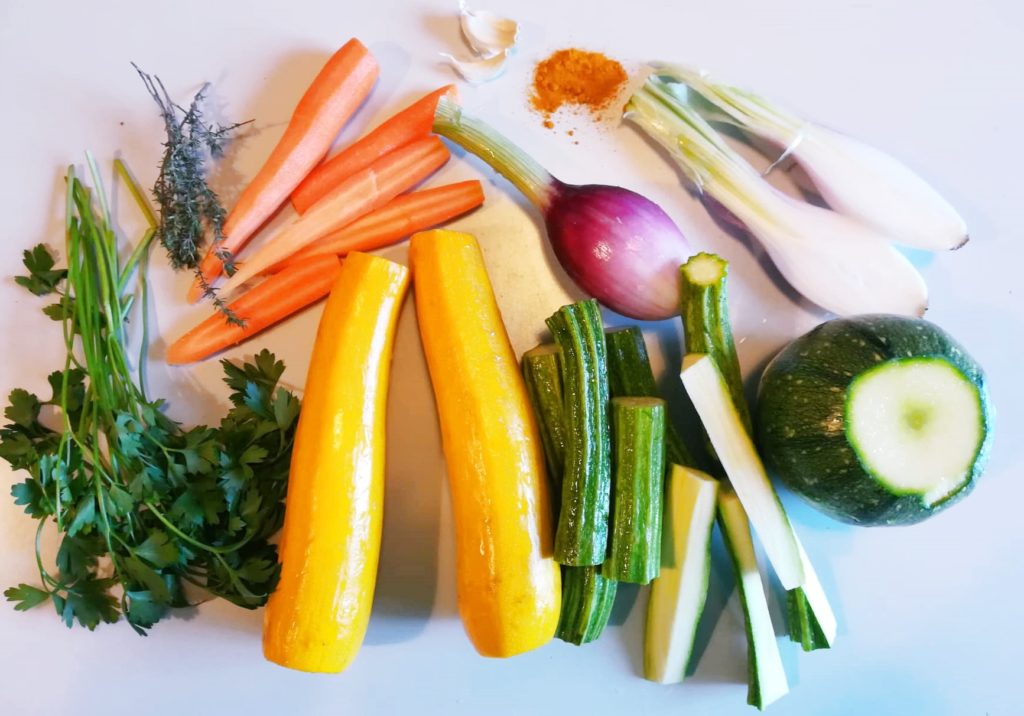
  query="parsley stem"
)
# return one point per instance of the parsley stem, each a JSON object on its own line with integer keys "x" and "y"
{"x": 47, "y": 580}
{"x": 216, "y": 551}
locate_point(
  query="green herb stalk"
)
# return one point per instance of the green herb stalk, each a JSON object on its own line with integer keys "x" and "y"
{"x": 122, "y": 482}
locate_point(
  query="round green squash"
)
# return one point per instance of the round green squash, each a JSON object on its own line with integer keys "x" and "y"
{"x": 876, "y": 420}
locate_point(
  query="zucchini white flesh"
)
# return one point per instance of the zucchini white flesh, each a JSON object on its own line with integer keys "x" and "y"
{"x": 767, "y": 678}
{"x": 735, "y": 450}
{"x": 916, "y": 425}
{"x": 680, "y": 590}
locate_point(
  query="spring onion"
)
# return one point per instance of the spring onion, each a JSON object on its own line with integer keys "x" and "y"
{"x": 855, "y": 178}
{"x": 837, "y": 262}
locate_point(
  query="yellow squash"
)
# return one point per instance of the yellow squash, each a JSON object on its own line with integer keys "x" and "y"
{"x": 316, "y": 618}
{"x": 509, "y": 586}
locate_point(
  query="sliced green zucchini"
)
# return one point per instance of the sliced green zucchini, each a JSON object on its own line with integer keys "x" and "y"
{"x": 766, "y": 678}
{"x": 638, "y": 436}
{"x": 630, "y": 375}
{"x": 587, "y": 600}
{"x": 735, "y": 450}
{"x": 680, "y": 590}
{"x": 542, "y": 373}
{"x": 704, "y": 307}
{"x": 581, "y": 538}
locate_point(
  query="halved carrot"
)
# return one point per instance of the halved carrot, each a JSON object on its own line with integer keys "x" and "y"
{"x": 411, "y": 123}
{"x": 329, "y": 102}
{"x": 403, "y": 216}
{"x": 261, "y": 307}
{"x": 360, "y": 194}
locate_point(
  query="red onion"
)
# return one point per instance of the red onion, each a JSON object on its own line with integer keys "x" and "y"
{"x": 618, "y": 246}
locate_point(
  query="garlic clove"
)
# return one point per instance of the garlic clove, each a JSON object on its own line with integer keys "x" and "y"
{"x": 478, "y": 71}
{"x": 487, "y": 33}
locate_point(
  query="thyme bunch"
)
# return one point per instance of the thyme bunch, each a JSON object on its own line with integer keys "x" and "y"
{"x": 189, "y": 208}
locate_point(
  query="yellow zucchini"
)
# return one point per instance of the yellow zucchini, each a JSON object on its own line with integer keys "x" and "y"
{"x": 316, "y": 618}
{"x": 509, "y": 586}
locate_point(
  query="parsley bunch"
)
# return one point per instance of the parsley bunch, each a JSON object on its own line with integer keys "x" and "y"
{"x": 144, "y": 505}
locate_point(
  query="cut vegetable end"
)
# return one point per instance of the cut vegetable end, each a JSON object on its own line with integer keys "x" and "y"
{"x": 917, "y": 426}
{"x": 630, "y": 374}
{"x": 735, "y": 450}
{"x": 680, "y": 591}
{"x": 767, "y": 677}
{"x": 545, "y": 349}
{"x": 638, "y": 402}
{"x": 705, "y": 269}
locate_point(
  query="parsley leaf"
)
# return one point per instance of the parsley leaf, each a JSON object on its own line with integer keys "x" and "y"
{"x": 158, "y": 549}
{"x": 30, "y": 495}
{"x": 89, "y": 601}
{"x": 43, "y": 278}
{"x": 25, "y": 596}
{"x": 85, "y": 515}
{"x": 143, "y": 610}
{"x": 24, "y": 408}
{"x": 78, "y": 555}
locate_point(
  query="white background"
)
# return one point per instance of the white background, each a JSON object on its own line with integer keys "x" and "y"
{"x": 930, "y": 615}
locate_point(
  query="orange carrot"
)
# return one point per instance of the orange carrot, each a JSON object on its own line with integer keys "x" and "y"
{"x": 356, "y": 196}
{"x": 329, "y": 102}
{"x": 411, "y": 123}
{"x": 401, "y": 217}
{"x": 273, "y": 300}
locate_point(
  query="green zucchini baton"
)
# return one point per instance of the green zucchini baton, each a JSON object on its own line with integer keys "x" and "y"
{"x": 582, "y": 535}
{"x": 638, "y": 430}
{"x": 766, "y": 676}
{"x": 705, "y": 310}
{"x": 542, "y": 372}
{"x": 587, "y": 599}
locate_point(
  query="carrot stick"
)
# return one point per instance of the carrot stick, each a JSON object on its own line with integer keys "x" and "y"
{"x": 360, "y": 194}
{"x": 261, "y": 307}
{"x": 403, "y": 216}
{"x": 329, "y": 102}
{"x": 411, "y": 123}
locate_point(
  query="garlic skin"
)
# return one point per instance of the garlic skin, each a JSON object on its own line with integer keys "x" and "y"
{"x": 478, "y": 71}
{"x": 487, "y": 33}
{"x": 491, "y": 37}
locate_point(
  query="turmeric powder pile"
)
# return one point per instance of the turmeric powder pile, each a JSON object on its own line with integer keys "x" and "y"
{"x": 589, "y": 80}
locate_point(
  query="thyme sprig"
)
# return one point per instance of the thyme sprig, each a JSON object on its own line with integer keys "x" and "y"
{"x": 190, "y": 209}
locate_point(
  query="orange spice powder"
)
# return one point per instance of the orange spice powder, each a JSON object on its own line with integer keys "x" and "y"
{"x": 589, "y": 80}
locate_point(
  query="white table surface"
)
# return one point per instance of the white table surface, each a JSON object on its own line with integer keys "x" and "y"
{"x": 930, "y": 615}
